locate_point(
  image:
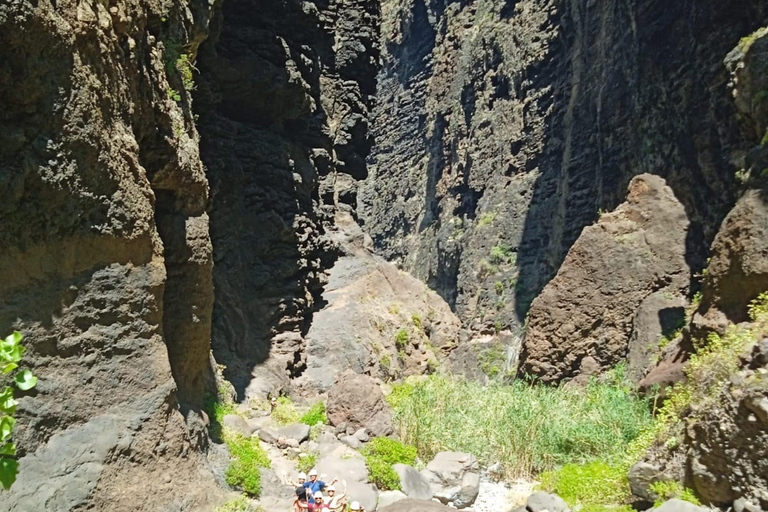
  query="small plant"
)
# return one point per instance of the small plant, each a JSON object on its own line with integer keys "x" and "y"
{"x": 11, "y": 351}
{"x": 485, "y": 268}
{"x": 285, "y": 412}
{"x": 492, "y": 360}
{"x": 239, "y": 504}
{"x": 501, "y": 254}
{"x": 402, "y": 338}
{"x": 666, "y": 490}
{"x": 758, "y": 307}
{"x": 394, "y": 309}
{"x": 499, "y": 287}
{"x": 248, "y": 458}
{"x": 746, "y": 42}
{"x": 486, "y": 219}
{"x": 307, "y": 462}
{"x": 416, "y": 319}
{"x": 315, "y": 415}
{"x": 380, "y": 454}
{"x": 174, "y": 95}
{"x": 696, "y": 300}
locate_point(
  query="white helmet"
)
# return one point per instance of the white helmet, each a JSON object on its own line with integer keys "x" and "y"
{"x": 312, "y": 472}
{"x": 355, "y": 505}
{"x": 302, "y": 476}
{"x": 330, "y": 488}
{"x": 317, "y": 494}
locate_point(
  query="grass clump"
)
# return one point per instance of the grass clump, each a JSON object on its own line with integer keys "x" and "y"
{"x": 307, "y": 462}
{"x": 380, "y": 454}
{"x": 502, "y": 253}
{"x": 285, "y": 412}
{"x": 486, "y": 219}
{"x": 746, "y": 42}
{"x": 402, "y": 338}
{"x": 239, "y": 504}
{"x": 493, "y": 360}
{"x": 589, "y": 485}
{"x": 527, "y": 428}
{"x": 315, "y": 415}
{"x": 666, "y": 490}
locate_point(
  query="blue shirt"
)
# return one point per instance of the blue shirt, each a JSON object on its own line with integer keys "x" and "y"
{"x": 313, "y": 487}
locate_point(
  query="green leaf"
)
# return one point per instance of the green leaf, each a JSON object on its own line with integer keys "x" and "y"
{"x": 7, "y": 403}
{"x": 13, "y": 339}
{"x": 25, "y": 380}
{"x": 8, "y": 449}
{"x": 6, "y": 427}
{"x": 8, "y": 470}
{"x": 8, "y": 368}
{"x": 14, "y": 355}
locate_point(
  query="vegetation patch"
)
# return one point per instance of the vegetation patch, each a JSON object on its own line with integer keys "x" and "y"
{"x": 315, "y": 415}
{"x": 526, "y": 427}
{"x": 501, "y": 254}
{"x": 239, "y": 504}
{"x": 244, "y": 471}
{"x": 593, "y": 484}
{"x": 285, "y": 412}
{"x": 666, "y": 490}
{"x": 307, "y": 462}
{"x": 402, "y": 338}
{"x": 493, "y": 360}
{"x": 380, "y": 454}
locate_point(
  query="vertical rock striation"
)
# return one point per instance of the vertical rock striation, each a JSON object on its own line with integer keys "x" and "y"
{"x": 283, "y": 102}
{"x": 502, "y": 128}
{"x": 106, "y": 264}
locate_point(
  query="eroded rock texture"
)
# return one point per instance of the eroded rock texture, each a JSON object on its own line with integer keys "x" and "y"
{"x": 283, "y": 105}
{"x": 582, "y": 321}
{"x": 106, "y": 264}
{"x": 501, "y": 128}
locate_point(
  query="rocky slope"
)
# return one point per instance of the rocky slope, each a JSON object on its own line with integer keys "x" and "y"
{"x": 502, "y": 129}
{"x": 106, "y": 266}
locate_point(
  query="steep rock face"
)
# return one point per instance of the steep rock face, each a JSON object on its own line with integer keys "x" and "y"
{"x": 283, "y": 103}
{"x": 738, "y": 267}
{"x": 581, "y": 322}
{"x": 502, "y": 128}
{"x": 106, "y": 264}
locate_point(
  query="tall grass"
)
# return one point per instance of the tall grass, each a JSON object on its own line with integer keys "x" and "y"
{"x": 527, "y": 428}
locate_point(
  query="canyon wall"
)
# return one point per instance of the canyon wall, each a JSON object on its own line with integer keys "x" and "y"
{"x": 503, "y": 129}
{"x": 107, "y": 261}
{"x": 283, "y": 101}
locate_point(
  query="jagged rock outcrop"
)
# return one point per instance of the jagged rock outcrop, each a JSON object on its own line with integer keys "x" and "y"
{"x": 738, "y": 268}
{"x": 581, "y": 323}
{"x": 502, "y": 128}
{"x": 283, "y": 100}
{"x": 106, "y": 264}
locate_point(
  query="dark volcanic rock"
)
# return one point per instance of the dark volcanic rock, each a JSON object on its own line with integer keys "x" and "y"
{"x": 502, "y": 128}
{"x": 357, "y": 401}
{"x": 106, "y": 264}
{"x": 283, "y": 101}
{"x": 582, "y": 321}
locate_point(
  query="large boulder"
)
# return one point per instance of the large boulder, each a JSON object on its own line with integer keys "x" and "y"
{"x": 582, "y": 321}
{"x": 237, "y": 424}
{"x": 453, "y": 478}
{"x": 676, "y": 505}
{"x": 298, "y": 432}
{"x": 544, "y": 502}
{"x": 357, "y": 401}
{"x": 413, "y": 483}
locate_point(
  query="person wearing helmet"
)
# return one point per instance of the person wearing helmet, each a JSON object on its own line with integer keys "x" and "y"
{"x": 314, "y": 485}
{"x": 336, "y": 502}
{"x": 302, "y": 479}
{"x": 355, "y": 505}
{"x": 320, "y": 505}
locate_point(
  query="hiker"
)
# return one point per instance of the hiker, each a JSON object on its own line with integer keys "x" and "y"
{"x": 320, "y": 506}
{"x": 337, "y": 502}
{"x": 315, "y": 485}
{"x": 356, "y": 506}
{"x": 300, "y": 502}
{"x": 302, "y": 480}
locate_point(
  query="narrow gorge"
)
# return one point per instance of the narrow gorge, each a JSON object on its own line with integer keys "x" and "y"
{"x": 406, "y": 213}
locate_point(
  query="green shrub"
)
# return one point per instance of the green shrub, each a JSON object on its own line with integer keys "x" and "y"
{"x": 416, "y": 319}
{"x": 285, "y": 412}
{"x": 527, "y": 428}
{"x": 486, "y": 219}
{"x": 492, "y": 360}
{"x": 402, "y": 337}
{"x": 502, "y": 253}
{"x": 248, "y": 457}
{"x": 315, "y": 415}
{"x": 11, "y": 351}
{"x": 307, "y": 462}
{"x": 592, "y": 484}
{"x": 380, "y": 454}
{"x": 239, "y": 504}
{"x": 666, "y": 490}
